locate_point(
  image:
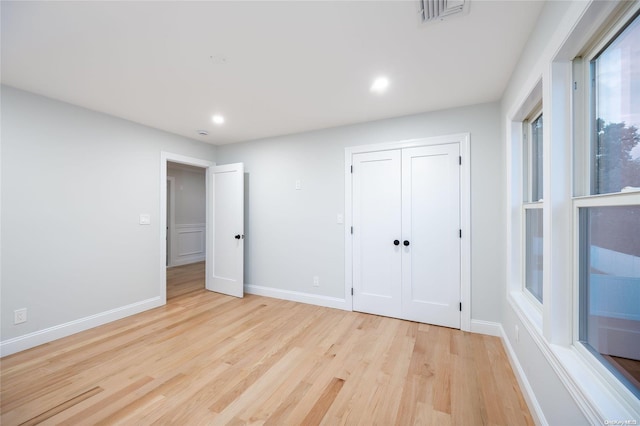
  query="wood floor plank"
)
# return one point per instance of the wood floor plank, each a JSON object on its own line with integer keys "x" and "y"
{"x": 62, "y": 407}
{"x": 284, "y": 409}
{"x": 325, "y": 400}
{"x": 207, "y": 358}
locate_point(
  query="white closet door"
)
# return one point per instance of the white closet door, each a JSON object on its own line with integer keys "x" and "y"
{"x": 225, "y": 242}
{"x": 431, "y": 226}
{"x": 377, "y": 223}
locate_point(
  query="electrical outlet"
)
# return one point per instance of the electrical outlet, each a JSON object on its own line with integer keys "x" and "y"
{"x": 316, "y": 281}
{"x": 20, "y": 316}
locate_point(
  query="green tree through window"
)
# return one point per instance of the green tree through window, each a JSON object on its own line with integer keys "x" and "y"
{"x": 616, "y": 167}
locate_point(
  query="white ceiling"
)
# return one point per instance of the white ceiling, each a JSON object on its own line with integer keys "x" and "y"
{"x": 270, "y": 67}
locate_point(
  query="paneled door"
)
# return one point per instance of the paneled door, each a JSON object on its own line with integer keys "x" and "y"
{"x": 225, "y": 239}
{"x": 431, "y": 226}
{"x": 377, "y": 219}
{"x": 406, "y": 233}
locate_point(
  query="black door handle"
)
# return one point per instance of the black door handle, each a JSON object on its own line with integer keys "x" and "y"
{"x": 406, "y": 243}
{"x": 396, "y": 242}
{"x": 237, "y": 237}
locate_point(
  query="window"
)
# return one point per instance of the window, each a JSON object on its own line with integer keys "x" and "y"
{"x": 535, "y": 131}
{"x": 533, "y": 205}
{"x": 616, "y": 102}
{"x": 533, "y": 252}
{"x": 608, "y": 217}
{"x": 610, "y": 288}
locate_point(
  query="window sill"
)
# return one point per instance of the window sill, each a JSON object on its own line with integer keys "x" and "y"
{"x": 600, "y": 401}
{"x": 528, "y": 310}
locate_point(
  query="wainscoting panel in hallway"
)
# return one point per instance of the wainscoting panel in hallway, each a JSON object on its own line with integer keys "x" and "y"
{"x": 207, "y": 358}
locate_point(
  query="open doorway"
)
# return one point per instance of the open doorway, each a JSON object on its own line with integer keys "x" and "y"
{"x": 170, "y": 206}
{"x": 223, "y": 251}
{"x": 186, "y": 228}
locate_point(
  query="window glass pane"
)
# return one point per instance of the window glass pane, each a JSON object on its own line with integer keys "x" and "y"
{"x": 536, "y": 159}
{"x": 610, "y": 288}
{"x": 533, "y": 252}
{"x": 617, "y": 108}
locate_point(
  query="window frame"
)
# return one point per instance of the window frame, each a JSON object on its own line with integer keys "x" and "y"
{"x": 527, "y": 197}
{"x": 584, "y": 176}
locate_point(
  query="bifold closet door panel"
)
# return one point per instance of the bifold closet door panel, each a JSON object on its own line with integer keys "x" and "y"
{"x": 377, "y": 224}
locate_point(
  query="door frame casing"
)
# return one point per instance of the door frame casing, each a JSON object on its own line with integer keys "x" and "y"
{"x": 166, "y": 157}
{"x": 465, "y": 212}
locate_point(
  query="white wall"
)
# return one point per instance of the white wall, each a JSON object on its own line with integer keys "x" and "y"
{"x": 190, "y": 200}
{"x": 74, "y": 182}
{"x": 292, "y": 235}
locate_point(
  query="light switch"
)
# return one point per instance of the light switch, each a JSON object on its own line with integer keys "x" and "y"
{"x": 145, "y": 219}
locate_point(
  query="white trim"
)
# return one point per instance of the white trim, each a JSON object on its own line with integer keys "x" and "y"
{"x": 182, "y": 159}
{"x": 348, "y": 223}
{"x": 525, "y": 386}
{"x": 409, "y": 143}
{"x": 489, "y": 328}
{"x": 193, "y": 226}
{"x": 297, "y": 296}
{"x": 465, "y": 212}
{"x": 40, "y": 337}
{"x": 189, "y": 261}
{"x": 465, "y": 225}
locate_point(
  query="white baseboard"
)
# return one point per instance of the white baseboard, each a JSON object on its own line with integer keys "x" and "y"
{"x": 40, "y": 337}
{"x": 187, "y": 261}
{"x": 486, "y": 327}
{"x": 297, "y": 296}
{"x": 525, "y": 386}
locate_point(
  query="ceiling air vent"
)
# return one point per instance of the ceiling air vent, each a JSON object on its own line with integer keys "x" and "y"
{"x": 438, "y": 10}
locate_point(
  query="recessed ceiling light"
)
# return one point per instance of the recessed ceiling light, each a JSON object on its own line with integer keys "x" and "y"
{"x": 218, "y": 119}
{"x": 380, "y": 84}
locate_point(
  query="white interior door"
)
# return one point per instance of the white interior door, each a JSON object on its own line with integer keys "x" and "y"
{"x": 377, "y": 223}
{"x": 431, "y": 227}
{"x": 225, "y": 239}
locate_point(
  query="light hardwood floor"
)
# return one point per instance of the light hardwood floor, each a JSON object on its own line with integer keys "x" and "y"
{"x": 205, "y": 358}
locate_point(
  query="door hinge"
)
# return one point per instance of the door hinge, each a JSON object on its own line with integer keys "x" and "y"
{"x": 352, "y": 291}
{"x": 352, "y": 230}
{"x": 460, "y": 306}
{"x": 460, "y": 160}
{"x": 351, "y": 169}
{"x": 575, "y": 85}
{"x": 460, "y": 233}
